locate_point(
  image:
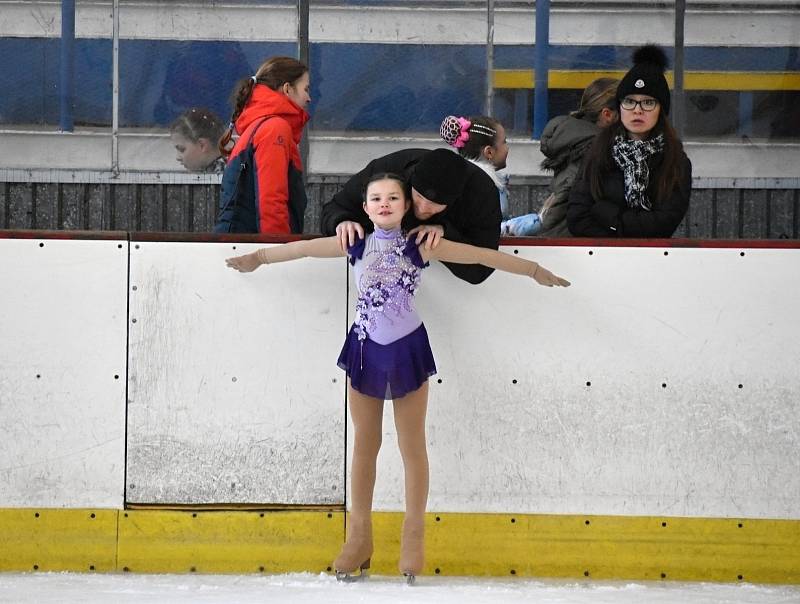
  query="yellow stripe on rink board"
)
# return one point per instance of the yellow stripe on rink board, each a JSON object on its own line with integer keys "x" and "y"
{"x": 736, "y": 81}
{"x": 58, "y": 540}
{"x": 501, "y": 545}
{"x": 615, "y": 547}
{"x": 155, "y": 541}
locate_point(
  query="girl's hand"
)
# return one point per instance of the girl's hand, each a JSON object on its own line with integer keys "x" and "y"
{"x": 542, "y": 276}
{"x": 244, "y": 264}
{"x": 348, "y": 233}
{"x": 434, "y": 233}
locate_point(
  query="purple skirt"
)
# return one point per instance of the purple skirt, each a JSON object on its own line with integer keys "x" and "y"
{"x": 388, "y": 371}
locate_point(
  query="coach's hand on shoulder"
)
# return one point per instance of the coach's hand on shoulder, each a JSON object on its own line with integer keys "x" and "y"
{"x": 348, "y": 233}
{"x": 433, "y": 232}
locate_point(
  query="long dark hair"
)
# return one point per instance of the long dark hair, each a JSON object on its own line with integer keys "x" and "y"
{"x": 600, "y": 162}
{"x": 274, "y": 73}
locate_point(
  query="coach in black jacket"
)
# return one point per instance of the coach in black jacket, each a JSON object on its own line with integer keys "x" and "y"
{"x": 451, "y": 198}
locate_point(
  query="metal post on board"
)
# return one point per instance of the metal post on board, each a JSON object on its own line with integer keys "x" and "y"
{"x": 66, "y": 89}
{"x": 489, "y": 57}
{"x": 303, "y": 54}
{"x": 678, "y": 95}
{"x": 115, "y": 88}
{"x": 302, "y": 30}
{"x": 540, "y": 66}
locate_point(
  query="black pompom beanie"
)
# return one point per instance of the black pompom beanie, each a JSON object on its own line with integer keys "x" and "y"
{"x": 440, "y": 175}
{"x": 647, "y": 76}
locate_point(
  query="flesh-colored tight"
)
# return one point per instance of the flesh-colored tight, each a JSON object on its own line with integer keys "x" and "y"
{"x": 409, "y": 418}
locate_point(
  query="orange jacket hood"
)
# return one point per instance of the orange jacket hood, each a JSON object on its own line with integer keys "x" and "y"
{"x": 266, "y": 102}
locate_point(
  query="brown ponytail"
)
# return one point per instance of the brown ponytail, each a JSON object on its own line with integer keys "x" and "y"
{"x": 273, "y": 73}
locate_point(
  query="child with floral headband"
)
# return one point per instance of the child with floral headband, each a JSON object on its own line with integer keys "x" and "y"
{"x": 387, "y": 356}
{"x": 481, "y": 140}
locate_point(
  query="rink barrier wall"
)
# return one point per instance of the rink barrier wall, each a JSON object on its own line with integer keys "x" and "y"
{"x": 498, "y": 545}
{"x": 688, "y": 546}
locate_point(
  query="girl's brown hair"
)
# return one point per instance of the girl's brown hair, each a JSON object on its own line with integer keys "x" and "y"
{"x": 196, "y": 123}
{"x": 598, "y": 95}
{"x": 273, "y": 73}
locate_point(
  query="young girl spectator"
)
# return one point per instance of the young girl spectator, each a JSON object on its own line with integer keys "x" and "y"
{"x": 637, "y": 179}
{"x": 196, "y": 135}
{"x": 565, "y": 140}
{"x": 387, "y": 356}
{"x": 481, "y": 140}
{"x": 269, "y": 113}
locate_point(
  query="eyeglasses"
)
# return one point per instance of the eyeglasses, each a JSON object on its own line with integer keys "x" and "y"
{"x": 646, "y": 104}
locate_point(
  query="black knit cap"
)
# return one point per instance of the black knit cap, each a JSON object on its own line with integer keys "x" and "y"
{"x": 647, "y": 76}
{"x": 439, "y": 176}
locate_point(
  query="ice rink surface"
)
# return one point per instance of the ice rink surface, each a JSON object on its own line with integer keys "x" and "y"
{"x": 61, "y": 588}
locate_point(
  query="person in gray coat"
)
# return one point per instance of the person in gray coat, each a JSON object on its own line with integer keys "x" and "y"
{"x": 565, "y": 139}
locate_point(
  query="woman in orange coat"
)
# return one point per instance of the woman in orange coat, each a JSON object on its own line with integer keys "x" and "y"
{"x": 269, "y": 113}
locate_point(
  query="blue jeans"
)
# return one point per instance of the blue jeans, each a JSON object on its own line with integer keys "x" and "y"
{"x": 521, "y": 226}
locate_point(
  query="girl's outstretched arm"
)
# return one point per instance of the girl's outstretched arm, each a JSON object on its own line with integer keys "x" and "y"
{"x": 462, "y": 253}
{"x": 324, "y": 247}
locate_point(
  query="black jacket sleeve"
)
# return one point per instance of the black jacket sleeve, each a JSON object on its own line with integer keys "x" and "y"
{"x": 580, "y": 219}
{"x": 347, "y": 203}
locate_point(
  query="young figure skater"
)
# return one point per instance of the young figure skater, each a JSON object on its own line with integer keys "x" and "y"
{"x": 565, "y": 140}
{"x": 387, "y": 356}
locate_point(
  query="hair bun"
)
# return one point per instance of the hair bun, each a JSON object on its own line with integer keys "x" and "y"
{"x": 450, "y": 130}
{"x": 652, "y": 54}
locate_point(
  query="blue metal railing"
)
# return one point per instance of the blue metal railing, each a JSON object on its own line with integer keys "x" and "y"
{"x": 66, "y": 89}
{"x": 541, "y": 66}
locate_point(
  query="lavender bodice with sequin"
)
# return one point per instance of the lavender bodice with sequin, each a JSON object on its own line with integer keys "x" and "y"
{"x": 387, "y": 276}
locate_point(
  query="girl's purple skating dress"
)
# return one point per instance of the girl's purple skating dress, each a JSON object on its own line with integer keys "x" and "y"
{"x": 387, "y": 354}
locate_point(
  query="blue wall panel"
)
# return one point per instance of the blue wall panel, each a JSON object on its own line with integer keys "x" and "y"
{"x": 395, "y": 87}
{"x": 160, "y": 79}
{"x": 362, "y": 87}
{"x": 29, "y": 75}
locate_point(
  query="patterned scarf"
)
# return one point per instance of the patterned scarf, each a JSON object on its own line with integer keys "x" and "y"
{"x": 632, "y": 156}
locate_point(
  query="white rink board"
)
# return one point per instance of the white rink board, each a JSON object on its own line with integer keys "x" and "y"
{"x": 62, "y": 373}
{"x": 234, "y": 392}
{"x": 701, "y": 321}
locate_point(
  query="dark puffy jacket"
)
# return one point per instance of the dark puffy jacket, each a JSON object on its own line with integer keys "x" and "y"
{"x": 565, "y": 140}
{"x": 473, "y": 218}
{"x": 611, "y": 216}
